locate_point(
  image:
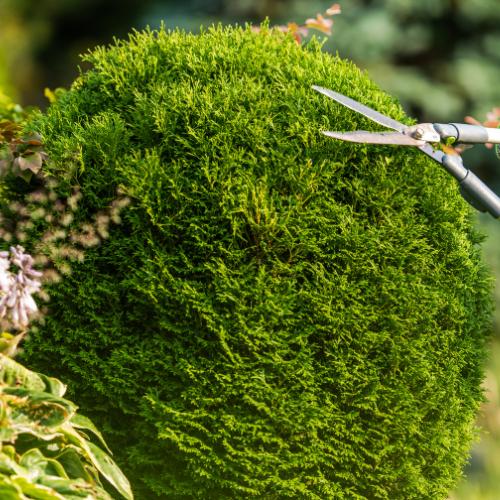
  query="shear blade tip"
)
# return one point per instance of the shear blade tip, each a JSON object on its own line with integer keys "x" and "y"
{"x": 322, "y": 90}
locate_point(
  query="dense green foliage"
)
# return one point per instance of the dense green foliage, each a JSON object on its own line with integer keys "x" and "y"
{"x": 46, "y": 448}
{"x": 280, "y": 315}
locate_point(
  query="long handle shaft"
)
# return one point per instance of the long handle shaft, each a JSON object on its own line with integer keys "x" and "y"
{"x": 473, "y": 189}
{"x": 468, "y": 134}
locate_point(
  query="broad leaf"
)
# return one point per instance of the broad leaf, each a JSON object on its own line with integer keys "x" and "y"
{"x": 10, "y": 491}
{"x": 7, "y": 434}
{"x": 22, "y": 425}
{"x": 31, "y": 161}
{"x": 13, "y": 373}
{"x": 108, "y": 468}
{"x": 36, "y": 491}
{"x": 71, "y": 459}
{"x": 84, "y": 423}
{"x": 34, "y": 460}
{"x": 102, "y": 462}
{"x": 53, "y": 385}
{"x": 46, "y": 408}
{"x": 8, "y": 465}
{"x": 75, "y": 488}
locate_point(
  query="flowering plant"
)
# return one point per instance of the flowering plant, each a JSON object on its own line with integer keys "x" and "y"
{"x": 17, "y": 305}
{"x": 322, "y": 23}
{"x": 47, "y": 450}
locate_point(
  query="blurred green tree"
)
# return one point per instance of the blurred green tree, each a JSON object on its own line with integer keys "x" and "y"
{"x": 41, "y": 41}
{"x": 440, "y": 57}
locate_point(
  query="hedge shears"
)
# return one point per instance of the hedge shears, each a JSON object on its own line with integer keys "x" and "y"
{"x": 422, "y": 136}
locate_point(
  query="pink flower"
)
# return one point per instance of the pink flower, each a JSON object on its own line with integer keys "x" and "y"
{"x": 17, "y": 305}
{"x": 320, "y": 23}
{"x": 333, "y": 10}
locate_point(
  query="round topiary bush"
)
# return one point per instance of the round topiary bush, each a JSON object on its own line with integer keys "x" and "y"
{"x": 280, "y": 315}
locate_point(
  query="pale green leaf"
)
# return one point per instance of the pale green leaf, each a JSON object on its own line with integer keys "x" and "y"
{"x": 53, "y": 385}
{"x": 13, "y": 373}
{"x": 108, "y": 468}
{"x": 85, "y": 424}
{"x": 9, "y": 490}
{"x": 48, "y": 409}
{"x": 34, "y": 460}
{"x": 71, "y": 459}
{"x": 36, "y": 491}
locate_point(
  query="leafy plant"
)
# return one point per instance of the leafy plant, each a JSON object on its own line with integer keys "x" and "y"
{"x": 24, "y": 156}
{"x": 48, "y": 450}
{"x": 278, "y": 315}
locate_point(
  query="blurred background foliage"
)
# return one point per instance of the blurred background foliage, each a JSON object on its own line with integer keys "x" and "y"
{"x": 441, "y": 58}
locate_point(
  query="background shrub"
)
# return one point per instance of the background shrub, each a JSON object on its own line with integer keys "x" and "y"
{"x": 280, "y": 315}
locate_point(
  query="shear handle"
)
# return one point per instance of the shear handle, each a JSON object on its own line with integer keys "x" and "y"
{"x": 467, "y": 134}
{"x": 473, "y": 189}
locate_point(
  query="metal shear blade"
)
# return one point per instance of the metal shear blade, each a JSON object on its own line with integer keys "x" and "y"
{"x": 376, "y": 138}
{"x": 415, "y": 135}
{"x": 361, "y": 108}
{"x": 472, "y": 188}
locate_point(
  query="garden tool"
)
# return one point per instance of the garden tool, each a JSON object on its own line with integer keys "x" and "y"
{"x": 422, "y": 136}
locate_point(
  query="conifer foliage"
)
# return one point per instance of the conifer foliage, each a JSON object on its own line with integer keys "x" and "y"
{"x": 279, "y": 315}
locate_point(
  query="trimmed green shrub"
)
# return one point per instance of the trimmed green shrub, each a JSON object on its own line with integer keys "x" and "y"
{"x": 280, "y": 315}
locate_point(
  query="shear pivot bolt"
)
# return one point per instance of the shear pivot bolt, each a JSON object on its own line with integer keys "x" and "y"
{"x": 419, "y": 133}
